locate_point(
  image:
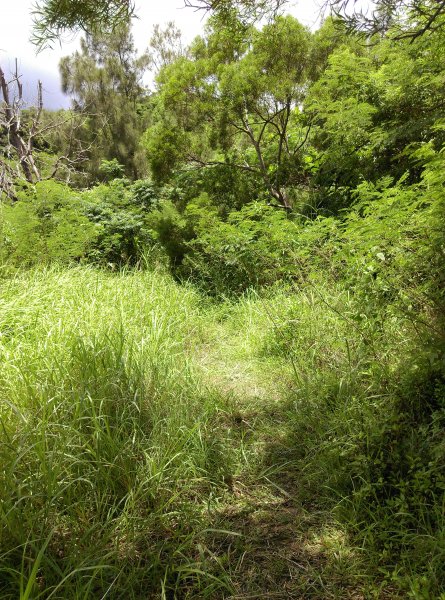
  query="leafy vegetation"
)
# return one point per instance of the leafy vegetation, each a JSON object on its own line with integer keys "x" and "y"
{"x": 222, "y": 367}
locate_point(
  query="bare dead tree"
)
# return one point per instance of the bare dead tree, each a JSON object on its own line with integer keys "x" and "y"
{"x": 76, "y": 152}
{"x": 7, "y": 177}
{"x": 18, "y": 139}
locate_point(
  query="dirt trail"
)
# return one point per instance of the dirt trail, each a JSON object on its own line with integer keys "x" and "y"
{"x": 284, "y": 549}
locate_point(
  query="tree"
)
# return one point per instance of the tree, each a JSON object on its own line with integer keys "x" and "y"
{"x": 16, "y": 137}
{"x": 27, "y": 136}
{"x": 370, "y": 108}
{"x": 413, "y": 17}
{"x": 248, "y": 10}
{"x": 235, "y": 104}
{"x": 260, "y": 98}
{"x": 52, "y": 18}
{"x": 105, "y": 82}
{"x": 408, "y": 19}
{"x": 166, "y": 45}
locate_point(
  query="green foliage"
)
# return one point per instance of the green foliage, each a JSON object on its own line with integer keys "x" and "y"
{"x": 145, "y": 194}
{"x": 104, "y": 80}
{"x": 164, "y": 145}
{"x": 107, "y": 224}
{"x": 45, "y": 224}
{"x": 52, "y": 18}
{"x": 110, "y": 443}
{"x": 171, "y": 230}
{"x": 365, "y": 333}
{"x": 398, "y": 19}
{"x": 119, "y": 212}
{"x": 251, "y": 249}
{"x": 234, "y": 105}
{"x": 111, "y": 169}
{"x": 367, "y": 108}
{"x": 303, "y": 179}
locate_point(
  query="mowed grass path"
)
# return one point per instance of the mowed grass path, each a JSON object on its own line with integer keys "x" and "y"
{"x": 146, "y": 449}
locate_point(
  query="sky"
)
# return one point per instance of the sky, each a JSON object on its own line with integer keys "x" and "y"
{"x": 16, "y": 26}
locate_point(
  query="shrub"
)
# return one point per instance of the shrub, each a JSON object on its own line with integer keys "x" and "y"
{"x": 111, "y": 169}
{"x": 251, "y": 249}
{"x": 119, "y": 211}
{"x": 47, "y": 223}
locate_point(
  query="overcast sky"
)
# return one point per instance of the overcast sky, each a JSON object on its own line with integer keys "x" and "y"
{"x": 16, "y": 25}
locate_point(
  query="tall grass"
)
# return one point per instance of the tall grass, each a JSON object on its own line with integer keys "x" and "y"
{"x": 156, "y": 446}
{"x": 364, "y": 422}
{"x": 351, "y": 431}
{"x": 109, "y": 452}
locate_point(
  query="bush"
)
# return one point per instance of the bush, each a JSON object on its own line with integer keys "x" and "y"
{"x": 107, "y": 224}
{"x": 174, "y": 229}
{"x": 369, "y": 407}
{"x": 252, "y": 249}
{"x": 119, "y": 211}
{"x": 47, "y": 223}
{"x": 111, "y": 169}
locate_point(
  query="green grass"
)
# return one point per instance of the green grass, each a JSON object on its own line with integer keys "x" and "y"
{"x": 156, "y": 445}
{"x": 110, "y": 453}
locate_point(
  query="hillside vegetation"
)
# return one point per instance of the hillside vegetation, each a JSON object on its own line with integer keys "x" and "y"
{"x": 222, "y": 368}
{"x": 156, "y": 440}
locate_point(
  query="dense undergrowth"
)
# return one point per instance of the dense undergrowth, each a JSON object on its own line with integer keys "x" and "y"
{"x": 156, "y": 443}
{"x": 228, "y": 380}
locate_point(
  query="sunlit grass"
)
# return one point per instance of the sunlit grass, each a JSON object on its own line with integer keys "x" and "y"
{"x": 109, "y": 450}
{"x": 154, "y": 444}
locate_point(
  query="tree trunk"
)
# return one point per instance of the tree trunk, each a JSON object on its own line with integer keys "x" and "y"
{"x": 10, "y": 114}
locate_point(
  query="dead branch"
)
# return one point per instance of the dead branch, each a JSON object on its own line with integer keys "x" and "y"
{"x": 10, "y": 122}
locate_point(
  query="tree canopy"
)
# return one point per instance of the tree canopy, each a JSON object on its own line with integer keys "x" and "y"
{"x": 53, "y": 18}
{"x": 405, "y": 18}
{"x": 104, "y": 81}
